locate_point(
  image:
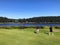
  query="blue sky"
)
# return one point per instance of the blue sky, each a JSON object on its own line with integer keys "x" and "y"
{"x": 29, "y": 8}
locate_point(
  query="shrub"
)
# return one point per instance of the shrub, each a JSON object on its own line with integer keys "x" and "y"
{"x": 57, "y": 27}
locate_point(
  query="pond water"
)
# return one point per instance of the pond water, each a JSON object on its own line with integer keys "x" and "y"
{"x": 18, "y": 24}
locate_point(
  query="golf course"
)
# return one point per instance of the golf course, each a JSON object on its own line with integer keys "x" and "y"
{"x": 28, "y": 37}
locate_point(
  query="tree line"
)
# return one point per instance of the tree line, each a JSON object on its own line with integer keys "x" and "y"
{"x": 48, "y": 19}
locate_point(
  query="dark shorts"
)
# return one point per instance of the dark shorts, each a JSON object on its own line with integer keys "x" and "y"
{"x": 51, "y": 31}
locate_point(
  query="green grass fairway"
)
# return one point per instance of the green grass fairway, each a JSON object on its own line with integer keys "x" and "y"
{"x": 28, "y": 37}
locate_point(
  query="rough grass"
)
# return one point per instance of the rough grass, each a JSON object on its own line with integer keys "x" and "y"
{"x": 28, "y": 37}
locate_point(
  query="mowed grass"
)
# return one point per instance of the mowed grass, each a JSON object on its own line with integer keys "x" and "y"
{"x": 28, "y": 37}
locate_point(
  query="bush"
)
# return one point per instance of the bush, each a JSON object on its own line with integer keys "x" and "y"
{"x": 42, "y": 27}
{"x": 19, "y": 27}
{"x": 57, "y": 27}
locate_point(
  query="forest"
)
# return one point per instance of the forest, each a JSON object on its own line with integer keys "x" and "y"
{"x": 46, "y": 19}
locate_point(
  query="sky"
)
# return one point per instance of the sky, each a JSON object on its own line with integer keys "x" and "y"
{"x": 29, "y": 8}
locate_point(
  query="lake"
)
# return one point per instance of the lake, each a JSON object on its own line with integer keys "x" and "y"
{"x": 18, "y": 24}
